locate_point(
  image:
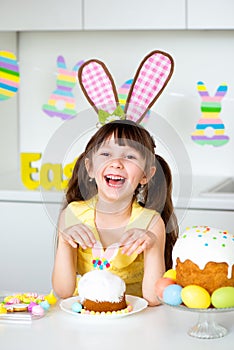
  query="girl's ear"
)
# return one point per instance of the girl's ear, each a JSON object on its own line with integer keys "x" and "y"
{"x": 88, "y": 167}
{"x": 145, "y": 179}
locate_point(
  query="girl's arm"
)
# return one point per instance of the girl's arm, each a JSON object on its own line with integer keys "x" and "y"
{"x": 64, "y": 272}
{"x": 152, "y": 243}
{"x": 154, "y": 265}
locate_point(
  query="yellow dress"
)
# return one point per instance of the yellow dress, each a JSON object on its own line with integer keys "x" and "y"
{"x": 129, "y": 268}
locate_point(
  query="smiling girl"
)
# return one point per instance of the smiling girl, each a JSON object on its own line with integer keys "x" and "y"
{"x": 120, "y": 192}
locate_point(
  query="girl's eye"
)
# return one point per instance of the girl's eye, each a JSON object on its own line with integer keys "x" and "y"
{"x": 105, "y": 154}
{"x": 131, "y": 156}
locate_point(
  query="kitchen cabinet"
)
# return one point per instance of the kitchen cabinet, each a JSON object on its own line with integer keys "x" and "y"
{"x": 27, "y": 246}
{"x": 40, "y": 15}
{"x": 134, "y": 14}
{"x": 215, "y": 218}
{"x": 210, "y": 14}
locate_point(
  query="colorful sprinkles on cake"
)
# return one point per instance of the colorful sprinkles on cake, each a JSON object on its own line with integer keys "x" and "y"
{"x": 196, "y": 244}
{"x": 9, "y": 75}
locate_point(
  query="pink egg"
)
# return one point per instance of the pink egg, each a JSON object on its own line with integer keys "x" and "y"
{"x": 161, "y": 284}
{"x": 37, "y": 310}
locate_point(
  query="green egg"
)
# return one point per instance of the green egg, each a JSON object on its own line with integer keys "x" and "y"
{"x": 223, "y": 297}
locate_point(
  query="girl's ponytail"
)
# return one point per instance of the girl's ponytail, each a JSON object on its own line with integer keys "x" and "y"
{"x": 160, "y": 199}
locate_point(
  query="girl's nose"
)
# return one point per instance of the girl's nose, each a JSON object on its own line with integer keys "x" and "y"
{"x": 116, "y": 163}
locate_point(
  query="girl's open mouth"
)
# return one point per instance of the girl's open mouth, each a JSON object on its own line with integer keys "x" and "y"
{"x": 114, "y": 180}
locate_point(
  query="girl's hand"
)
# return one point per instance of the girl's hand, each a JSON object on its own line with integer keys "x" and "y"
{"x": 137, "y": 240}
{"x": 78, "y": 235}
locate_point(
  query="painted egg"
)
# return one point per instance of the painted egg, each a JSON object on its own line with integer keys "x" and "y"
{"x": 170, "y": 274}
{"x": 223, "y": 297}
{"x": 161, "y": 284}
{"x": 172, "y": 295}
{"x": 37, "y": 310}
{"x": 45, "y": 305}
{"x": 76, "y": 307}
{"x": 194, "y": 296}
{"x": 51, "y": 298}
{"x": 9, "y": 75}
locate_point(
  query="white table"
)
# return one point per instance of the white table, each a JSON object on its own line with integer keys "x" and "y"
{"x": 160, "y": 327}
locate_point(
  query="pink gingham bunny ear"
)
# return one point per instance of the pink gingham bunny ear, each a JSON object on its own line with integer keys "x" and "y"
{"x": 150, "y": 80}
{"x": 98, "y": 86}
{"x": 102, "y": 259}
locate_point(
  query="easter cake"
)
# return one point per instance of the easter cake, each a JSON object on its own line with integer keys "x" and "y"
{"x": 204, "y": 256}
{"x": 102, "y": 291}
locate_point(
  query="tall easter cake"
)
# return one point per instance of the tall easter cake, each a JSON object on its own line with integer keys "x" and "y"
{"x": 102, "y": 291}
{"x": 204, "y": 256}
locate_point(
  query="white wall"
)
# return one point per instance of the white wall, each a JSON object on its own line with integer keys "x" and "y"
{"x": 198, "y": 55}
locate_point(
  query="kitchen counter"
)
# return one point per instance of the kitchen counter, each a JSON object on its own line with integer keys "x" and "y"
{"x": 154, "y": 327}
{"x": 192, "y": 192}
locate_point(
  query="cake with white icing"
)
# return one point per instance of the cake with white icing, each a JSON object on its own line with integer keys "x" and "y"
{"x": 204, "y": 256}
{"x": 103, "y": 291}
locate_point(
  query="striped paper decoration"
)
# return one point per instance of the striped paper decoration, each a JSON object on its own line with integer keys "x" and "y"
{"x": 210, "y": 129}
{"x": 9, "y": 75}
{"x": 61, "y": 102}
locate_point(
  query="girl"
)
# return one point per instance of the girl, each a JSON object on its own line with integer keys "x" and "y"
{"x": 120, "y": 192}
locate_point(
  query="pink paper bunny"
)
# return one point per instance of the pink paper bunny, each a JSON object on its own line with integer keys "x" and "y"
{"x": 102, "y": 258}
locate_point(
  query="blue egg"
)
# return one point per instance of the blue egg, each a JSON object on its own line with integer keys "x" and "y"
{"x": 172, "y": 295}
{"x": 45, "y": 305}
{"x": 76, "y": 307}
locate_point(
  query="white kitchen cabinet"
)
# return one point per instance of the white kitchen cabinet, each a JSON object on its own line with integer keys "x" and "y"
{"x": 40, "y": 15}
{"x": 210, "y": 14}
{"x": 27, "y": 246}
{"x": 134, "y": 14}
{"x": 214, "y": 218}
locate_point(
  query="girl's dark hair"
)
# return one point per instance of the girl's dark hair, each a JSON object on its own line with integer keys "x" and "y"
{"x": 158, "y": 193}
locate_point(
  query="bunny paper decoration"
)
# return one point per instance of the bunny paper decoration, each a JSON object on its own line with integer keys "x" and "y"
{"x": 102, "y": 259}
{"x": 62, "y": 102}
{"x": 151, "y": 78}
{"x": 9, "y": 75}
{"x": 210, "y": 128}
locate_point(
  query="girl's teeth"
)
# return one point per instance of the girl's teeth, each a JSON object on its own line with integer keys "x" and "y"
{"x": 114, "y": 179}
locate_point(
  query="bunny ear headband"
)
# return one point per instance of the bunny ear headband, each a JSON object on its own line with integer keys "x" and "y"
{"x": 151, "y": 78}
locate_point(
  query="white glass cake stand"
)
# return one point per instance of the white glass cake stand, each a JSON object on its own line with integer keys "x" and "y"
{"x": 206, "y": 326}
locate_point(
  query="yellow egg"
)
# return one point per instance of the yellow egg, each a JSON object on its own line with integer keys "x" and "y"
{"x": 51, "y": 298}
{"x": 170, "y": 274}
{"x": 3, "y": 310}
{"x": 194, "y": 296}
{"x": 223, "y": 297}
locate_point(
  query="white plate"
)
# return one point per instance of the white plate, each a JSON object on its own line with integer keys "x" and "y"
{"x": 138, "y": 304}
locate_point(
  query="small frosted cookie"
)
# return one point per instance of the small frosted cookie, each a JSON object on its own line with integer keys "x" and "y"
{"x": 16, "y": 307}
